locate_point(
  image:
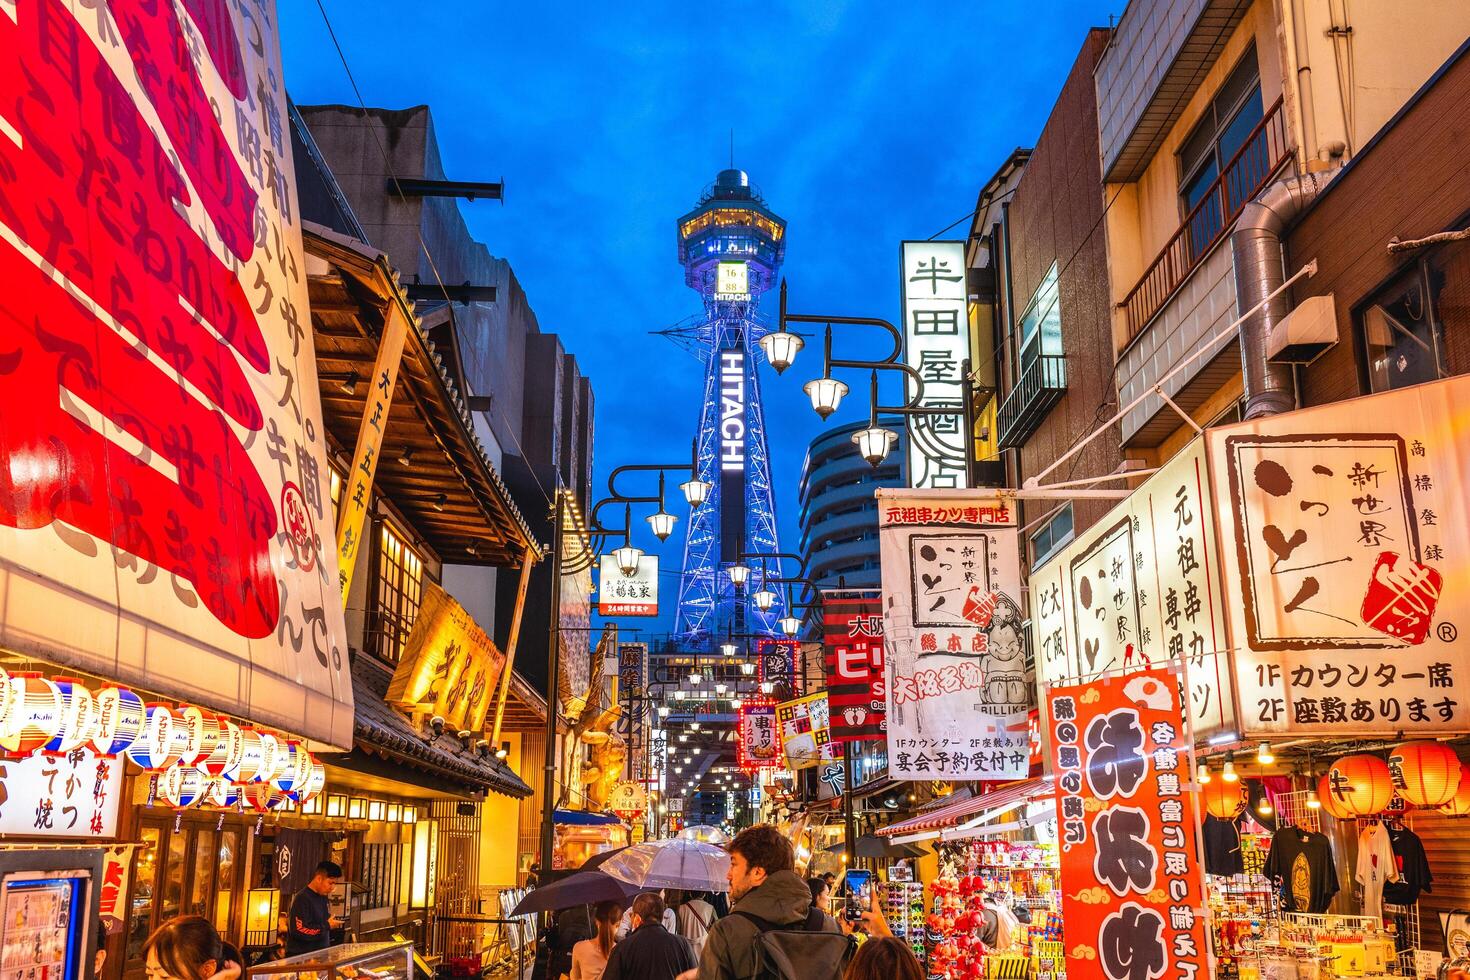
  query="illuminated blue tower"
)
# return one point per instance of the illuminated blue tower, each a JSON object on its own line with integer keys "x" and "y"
{"x": 731, "y": 247}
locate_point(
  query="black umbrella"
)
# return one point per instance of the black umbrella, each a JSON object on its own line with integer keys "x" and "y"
{"x": 582, "y": 888}
{"x": 595, "y": 861}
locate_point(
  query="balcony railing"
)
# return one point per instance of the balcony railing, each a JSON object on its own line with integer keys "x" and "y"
{"x": 1263, "y": 155}
{"x": 1041, "y": 384}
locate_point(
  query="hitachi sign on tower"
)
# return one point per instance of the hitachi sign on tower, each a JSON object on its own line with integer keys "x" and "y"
{"x": 732, "y": 410}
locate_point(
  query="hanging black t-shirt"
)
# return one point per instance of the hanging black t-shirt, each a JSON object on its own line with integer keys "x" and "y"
{"x": 1413, "y": 867}
{"x": 1222, "y": 846}
{"x": 1302, "y": 861}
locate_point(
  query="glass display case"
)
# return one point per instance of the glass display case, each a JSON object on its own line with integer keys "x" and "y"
{"x": 351, "y": 961}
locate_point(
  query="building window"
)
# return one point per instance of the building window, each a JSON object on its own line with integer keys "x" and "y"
{"x": 1041, "y": 324}
{"x": 400, "y": 588}
{"x": 1403, "y": 325}
{"x": 1052, "y": 537}
{"x": 1223, "y": 129}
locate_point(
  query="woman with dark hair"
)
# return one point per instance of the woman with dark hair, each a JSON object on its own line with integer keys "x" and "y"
{"x": 589, "y": 957}
{"x": 821, "y": 893}
{"x": 884, "y": 958}
{"x": 187, "y": 947}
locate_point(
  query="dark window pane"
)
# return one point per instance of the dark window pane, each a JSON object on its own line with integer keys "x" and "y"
{"x": 1245, "y": 77}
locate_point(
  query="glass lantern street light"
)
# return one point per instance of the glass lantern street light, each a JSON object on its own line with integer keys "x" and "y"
{"x": 727, "y": 649}
{"x": 627, "y": 558}
{"x": 781, "y": 347}
{"x": 662, "y": 523}
{"x": 790, "y": 625}
{"x": 826, "y": 394}
{"x": 764, "y": 599}
{"x": 696, "y": 491}
{"x": 747, "y": 668}
{"x": 873, "y": 444}
{"x": 739, "y": 573}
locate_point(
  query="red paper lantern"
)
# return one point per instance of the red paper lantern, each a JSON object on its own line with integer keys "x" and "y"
{"x": 1328, "y": 803}
{"x": 1424, "y": 773}
{"x": 1223, "y": 800}
{"x": 1360, "y": 784}
{"x": 1459, "y": 804}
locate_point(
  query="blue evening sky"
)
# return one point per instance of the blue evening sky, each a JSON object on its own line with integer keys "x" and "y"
{"x": 862, "y": 123}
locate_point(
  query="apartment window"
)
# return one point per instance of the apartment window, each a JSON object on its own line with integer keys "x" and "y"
{"x": 1052, "y": 536}
{"x": 1403, "y": 325}
{"x": 1227, "y": 123}
{"x": 400, "y": 589}
{"x": 1041, "y": 324}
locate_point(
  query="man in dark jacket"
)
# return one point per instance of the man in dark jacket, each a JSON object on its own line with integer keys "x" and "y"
{"x": 310, "y": 922}
{"x": 763, "y": 883}
{"x": 650, "y": 952}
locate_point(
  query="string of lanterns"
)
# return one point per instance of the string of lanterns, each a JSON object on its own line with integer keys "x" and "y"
{"x": 1422, "y": 774}
{"x": 199, "y": 758}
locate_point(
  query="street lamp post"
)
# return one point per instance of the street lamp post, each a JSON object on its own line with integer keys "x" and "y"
{"x": 875, "y": 442}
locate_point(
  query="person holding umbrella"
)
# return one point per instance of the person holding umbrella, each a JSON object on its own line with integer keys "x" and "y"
{"x": 589, "y": 957}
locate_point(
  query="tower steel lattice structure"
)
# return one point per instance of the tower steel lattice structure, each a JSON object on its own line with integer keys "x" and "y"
{"x": 731, "y": 246}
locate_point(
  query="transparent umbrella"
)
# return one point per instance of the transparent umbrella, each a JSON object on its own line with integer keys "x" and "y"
{"x": 704, "y": 832}
{"x": 675, "y": 863}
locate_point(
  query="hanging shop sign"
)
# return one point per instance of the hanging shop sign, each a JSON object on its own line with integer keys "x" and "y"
{"x": 936, "y": 345}
{"x": 806, "y": 736}
{"x": 166, "y": 500}
{"x": 760, "y": 742}
{"x": 775, "y": 662}
{"x": 853, "y": 640}
{"x": 449, "y": 665}
{"x": 628, "y": 800}
{"x": 1141, "y": 588}
{"x": 957, "y": 679}
{"x": 1132, "y": 880}
{"x": 72, "y": 795}
{"x": 632, "y": 679}
{"x": 112, "y": 896}
{"x": 1346, "y": 542}
{"x": 628, "y": 595}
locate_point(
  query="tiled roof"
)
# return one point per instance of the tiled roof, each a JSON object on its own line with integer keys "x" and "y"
{"x": 381, "y": 729}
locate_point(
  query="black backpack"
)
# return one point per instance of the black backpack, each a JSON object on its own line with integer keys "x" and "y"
{"x": 800, "y": 951}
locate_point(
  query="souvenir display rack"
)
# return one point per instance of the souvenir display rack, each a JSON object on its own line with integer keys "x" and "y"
{"x": 903, "y": 907}
{"x": 1020, "y": 877}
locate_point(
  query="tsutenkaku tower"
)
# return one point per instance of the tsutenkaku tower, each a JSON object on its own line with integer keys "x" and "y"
{"x": 731, "y": 247}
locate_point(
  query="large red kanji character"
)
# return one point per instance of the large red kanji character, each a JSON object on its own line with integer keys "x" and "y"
{"x": 141, "y": 331}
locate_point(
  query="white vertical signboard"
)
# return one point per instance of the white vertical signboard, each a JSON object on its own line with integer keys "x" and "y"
{"x": 955, "y": 640}
{"x": 1343, "y": 529}
{"x": 936, "y": 332}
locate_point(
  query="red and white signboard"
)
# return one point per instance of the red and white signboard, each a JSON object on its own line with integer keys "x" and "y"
{"x": 628, "y": 595}
{"x": 164, "y": 496}
{"x": 72, "y": 795}
{"x": 760, "y": 739}
{"x": 1132, "y": 877}
{"x": 853, "y": 637}
{"x": 954, "y": 637}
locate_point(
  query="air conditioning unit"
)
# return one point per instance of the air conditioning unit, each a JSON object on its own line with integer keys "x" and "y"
{"x": 1305, "y": 334}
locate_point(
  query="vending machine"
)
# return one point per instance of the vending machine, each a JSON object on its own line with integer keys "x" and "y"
{"x": 48, "y": 912}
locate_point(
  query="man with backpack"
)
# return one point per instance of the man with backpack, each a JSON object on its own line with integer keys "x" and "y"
{"x": 772, "y": 931}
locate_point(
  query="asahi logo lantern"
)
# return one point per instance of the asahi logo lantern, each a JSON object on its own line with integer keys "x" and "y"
{"x": 120, "y": 718}
{"x": 228, "y": 747}
{"x": 35, "y": 718}
{"x": 78, "y": 717}
{"x": 155, "y": 747}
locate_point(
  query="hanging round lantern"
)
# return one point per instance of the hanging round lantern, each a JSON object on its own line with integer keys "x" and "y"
{"x": 1333, "y": 808}
{"x": 1360, "y": 784}
{"x": 8, "y": 699}
{"x": 203, "y": 729}
{"x": 252, "y": 754}
{"x": 36, "y": 718}
{"x": 270, "y": 758}
{"x": 155, "y": 748}
{"x": 1459, "y": 804}
{"x": 181, "y": 786}
{"x": 263, "y": 797}
{"x": 1223, "y": 800}
{"x": 216, "y": 794}
{"x": 1424, "y": 773}
{"x": 120, "y": 717}
{"x": 315, "y": 782}
{"x": 228, "y": 744}
{"x": 295, "y": 767}
{"x": 78, "y": 717}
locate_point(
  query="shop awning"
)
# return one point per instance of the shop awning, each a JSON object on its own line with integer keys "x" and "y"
{"x": 970, "y": 809}
{"x": 583, "y": 818}
{"x": 381, "y": 730}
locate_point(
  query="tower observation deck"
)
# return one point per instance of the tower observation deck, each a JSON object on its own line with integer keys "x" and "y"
{"x": 731, "y": 247}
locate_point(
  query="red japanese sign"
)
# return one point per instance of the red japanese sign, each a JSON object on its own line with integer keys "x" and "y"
{"x": 853, "y": 640}
{"x": 1132, "y": 878}
{"x": 759, "y": 739}
{"x": 163, "y": 493}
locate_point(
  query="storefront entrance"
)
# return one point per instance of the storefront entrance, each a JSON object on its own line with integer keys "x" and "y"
{"x": 198, "y": 869}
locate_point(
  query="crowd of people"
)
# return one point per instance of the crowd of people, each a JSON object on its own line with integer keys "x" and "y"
{"x": 769, "y": 915}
